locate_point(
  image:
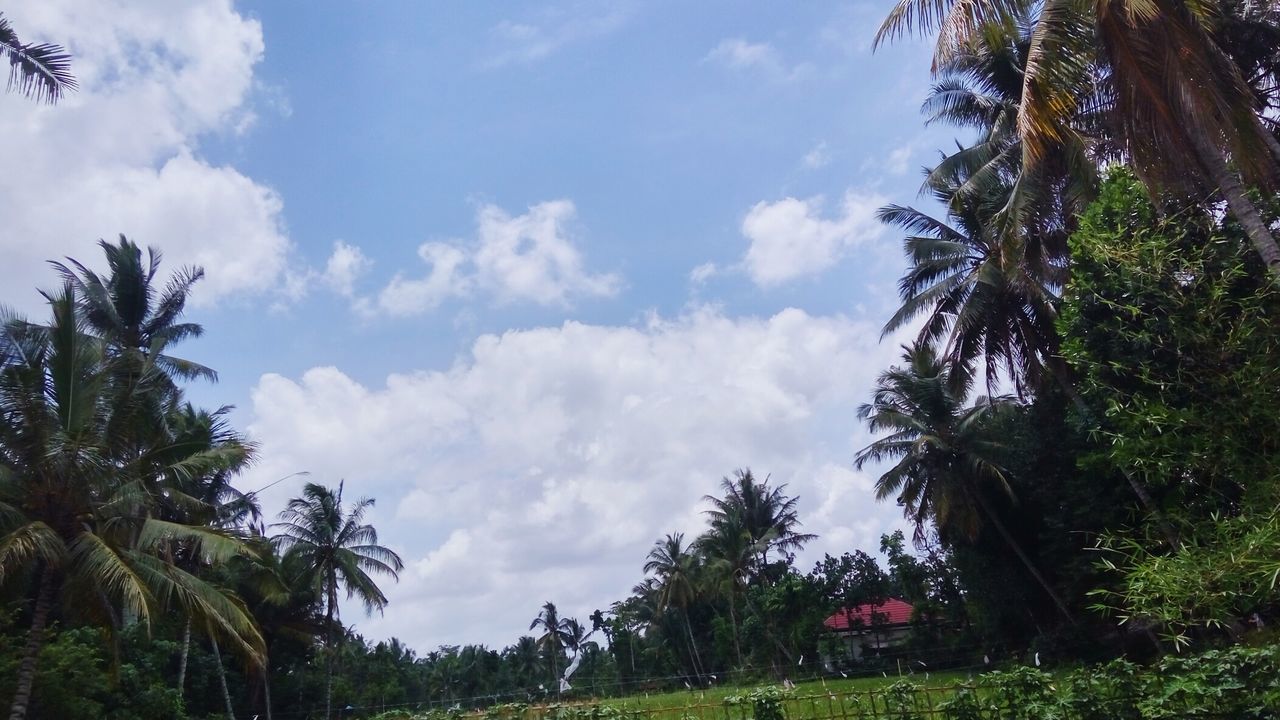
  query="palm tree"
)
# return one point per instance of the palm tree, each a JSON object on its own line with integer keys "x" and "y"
{"x": 675, "y": 568}
{"x": 764, "y": 513}
{"x": 523, "y": 660}
{"x": 556, "y": 635}
{"x": 131, "y": 312}
{"x": 728, "y": 551}
{"x": 1181, "y": 109}
{"x": 983, "y": 295}
{"x": 41, "y": 72}
{"x": 79, "y": 509}
{"x": 337, "y": 549}
{"x": 946, "y": 452}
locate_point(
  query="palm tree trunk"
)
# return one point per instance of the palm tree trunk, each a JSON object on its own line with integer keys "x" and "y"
{"x": 697, "y": 658}
{"x": 266, "y": 691}
{"x": 733, "y": 623}
{"x": 330, "y": 609}
{"x": 35, "y": 641}
{"x": 182, "y": 657}
{"x": 1017, "y": 549}
{"x": 1238, "y": 202}
{"x": 222, "y": 680}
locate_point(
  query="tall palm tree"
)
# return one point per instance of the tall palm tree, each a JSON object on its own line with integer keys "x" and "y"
{"x": 129, "y": 309}
{"x": 1181, "y": 109}
{"x": 728, "y": 550}
{"x": 79, "y": 509}
{"x": 337, "y": 550}
{"x": 556, "y": 635}
{"x": 765, "y": 513}
{"x": 984, "y": 297}
{"x": 675, "y": 569}
{"x": 41, "y": 72}
{"x": 946, "y": 453}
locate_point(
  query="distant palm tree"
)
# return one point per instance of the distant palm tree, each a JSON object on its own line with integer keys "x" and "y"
{"x": 524, "y": 660}
{"x": 337, "y": 549}
{"x": 946, "y": 452}
{"x": 675, "y": 568}
{"x": 41, "y": 72}
{"x": 728, "y": 550}
{"x": 556, "y": 635}
{"x": 764, "y": 513}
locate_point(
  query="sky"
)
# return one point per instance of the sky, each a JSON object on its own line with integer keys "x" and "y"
{"x": 535, "y": 276}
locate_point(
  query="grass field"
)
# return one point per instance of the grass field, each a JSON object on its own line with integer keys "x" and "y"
{"x": 804, "y": 700}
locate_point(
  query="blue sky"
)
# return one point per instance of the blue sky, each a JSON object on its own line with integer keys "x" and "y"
{"x": 535, "y": 276}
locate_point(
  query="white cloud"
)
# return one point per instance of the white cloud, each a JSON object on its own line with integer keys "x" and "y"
{"x": 818, "y": 157}
{"x": 899, "y": 159}
{"x": 738, "y": 54}
{"x": 528, "y": 257}
{"x": 515, "y": 42}
{"x": 790, "y": 238}
{"x": 544, "y": 464}
{"x": 345, "y": 266}
{"x": 703, "y": 273}
{"x": 121, "y": 155}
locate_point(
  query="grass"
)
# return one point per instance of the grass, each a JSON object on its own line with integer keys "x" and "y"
{"x": 675, "y": 705}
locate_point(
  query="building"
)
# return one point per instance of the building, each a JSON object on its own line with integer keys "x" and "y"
{"x": 870, "y": 629}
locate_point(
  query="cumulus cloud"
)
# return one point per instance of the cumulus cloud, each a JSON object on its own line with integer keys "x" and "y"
{"x": 543, "y": 464}
{"x": 345, "y": 266}
{"x": 122, "y": 154}
{"x": 523, "y": 258}
{"x": 790, "y": 238}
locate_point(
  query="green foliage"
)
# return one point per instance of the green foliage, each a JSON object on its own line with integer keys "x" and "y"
{"x": 1170, "y": 323}
{"x": 766, "y": 702}
{"x": 1223, "y": 571}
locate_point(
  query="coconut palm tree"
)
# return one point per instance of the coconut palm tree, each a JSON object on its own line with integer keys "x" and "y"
{"x": 1181, "y": 110}
{"x": 946, "y": 453}
{"x": 79, "y": 508}
{"x": 987, "y": 302}
{"x": 729, "y": 553}
{"x": 556, "y": 636}
{"x": 764, "y": 513}
{"x": 129, "y": 310}
{"x": 337, "y": 550}
{"x": 41, "y": 72}
{"x": 675, "y": 569}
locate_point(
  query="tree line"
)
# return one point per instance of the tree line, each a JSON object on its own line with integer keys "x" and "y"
{"x": 1082, "y": 432}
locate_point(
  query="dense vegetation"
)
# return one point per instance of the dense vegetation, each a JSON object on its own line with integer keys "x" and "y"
{"x": 1084, "y": 435}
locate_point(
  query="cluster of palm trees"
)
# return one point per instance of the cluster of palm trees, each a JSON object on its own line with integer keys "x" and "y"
{"x": 116, "y": 499}
{"x": 1183, "y": 93}
{"x": 747, "y": 522}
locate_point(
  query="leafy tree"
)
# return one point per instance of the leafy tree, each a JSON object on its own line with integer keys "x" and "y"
{"x": 41, "y": 72}
{"x": 946, "y": 453}
{"x": 338, "y": 550}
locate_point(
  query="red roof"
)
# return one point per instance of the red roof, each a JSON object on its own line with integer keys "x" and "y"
{"x": 891, "y": 612}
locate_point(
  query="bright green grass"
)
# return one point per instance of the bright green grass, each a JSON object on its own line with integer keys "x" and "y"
{"x": 672, "y": 705}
